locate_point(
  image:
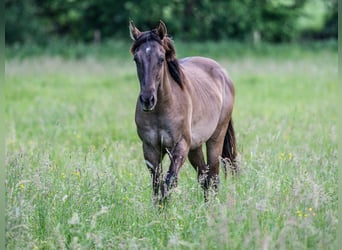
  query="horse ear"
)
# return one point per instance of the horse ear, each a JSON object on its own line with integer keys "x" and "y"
{"x": 161, "y": 30}
{"x": 133, "y": 31}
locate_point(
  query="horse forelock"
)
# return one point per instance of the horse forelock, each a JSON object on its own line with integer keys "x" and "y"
{"x": 145, "y": 37}
{"x": 170, "y": 53}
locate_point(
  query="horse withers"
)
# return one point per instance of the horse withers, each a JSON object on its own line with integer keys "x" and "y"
{"x": 182, "y": 105}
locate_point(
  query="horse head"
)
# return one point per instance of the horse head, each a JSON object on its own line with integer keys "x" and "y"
{"x": 149, "y": 56}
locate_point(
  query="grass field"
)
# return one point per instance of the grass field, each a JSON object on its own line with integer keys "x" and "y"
{"x": 76, "y": 178}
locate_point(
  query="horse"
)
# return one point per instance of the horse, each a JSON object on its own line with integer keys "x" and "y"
{"x": 183, "y": 104}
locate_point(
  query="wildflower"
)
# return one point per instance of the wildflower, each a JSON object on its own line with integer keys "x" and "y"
{"x": 281, "y": 156}
{"x": 63, "y": 176}
{"x": 22, "y": 186}
{"x": 77, "y": 173}
{"x": 311, "y": 211}
{"x": 303, "y": 214}
{"x": 285, "y": 157}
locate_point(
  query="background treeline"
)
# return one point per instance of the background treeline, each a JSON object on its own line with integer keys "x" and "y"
{"x": 39, "y": 21}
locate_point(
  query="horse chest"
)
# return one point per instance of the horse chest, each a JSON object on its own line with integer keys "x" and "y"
{"x": 156, "y": 135}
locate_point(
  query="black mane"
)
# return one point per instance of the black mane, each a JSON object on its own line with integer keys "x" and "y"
{"x": 175, "y": 71}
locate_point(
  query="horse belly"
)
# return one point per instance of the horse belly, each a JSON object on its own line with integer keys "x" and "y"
{"x": 202, "y": 131}
{"x": 206, "y": 87}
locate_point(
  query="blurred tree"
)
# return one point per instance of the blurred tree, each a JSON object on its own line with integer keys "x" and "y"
{"x": 279, "y": 19}
{"x": 330, "y": 29}
{"x": 68, "y": 17}
{"x": 22, "y": 23}
{"x": 88, "y": 20}
{"x": 271, "y": 20}
{"x": 105, "y": 18}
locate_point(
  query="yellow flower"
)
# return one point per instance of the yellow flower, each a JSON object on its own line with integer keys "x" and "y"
{"x": 22, "y": 186}
{"x": 63, "y": 176}
{"x": 77, "y": 173}
{"x": 303, "y": 214}
{"x": 286, "y": 157}
{"x": 281, "y": 156}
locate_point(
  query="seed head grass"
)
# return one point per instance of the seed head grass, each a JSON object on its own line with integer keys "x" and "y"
{"x": 76, "y": 177}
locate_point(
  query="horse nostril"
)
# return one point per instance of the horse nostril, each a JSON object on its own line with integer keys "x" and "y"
{"x": 151, "y": 99}
{"x": 147, "y": 102}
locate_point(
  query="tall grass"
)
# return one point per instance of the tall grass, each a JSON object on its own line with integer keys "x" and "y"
{"x": 76, "y": 178}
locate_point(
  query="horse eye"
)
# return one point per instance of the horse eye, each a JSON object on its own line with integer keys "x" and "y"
{"x": 161, "y": 60}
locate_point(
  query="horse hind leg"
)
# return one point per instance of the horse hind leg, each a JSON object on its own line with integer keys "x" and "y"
{"x": 222, "y": 144}
{"x": 215, "y": 144}
{"x": 213, "y": 152}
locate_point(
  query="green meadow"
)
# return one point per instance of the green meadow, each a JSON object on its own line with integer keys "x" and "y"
{"x": 76, "y": 178}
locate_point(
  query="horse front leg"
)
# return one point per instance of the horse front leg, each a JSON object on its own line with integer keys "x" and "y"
{"x": 153, "y": 159}
{"x": 177, "y": 157}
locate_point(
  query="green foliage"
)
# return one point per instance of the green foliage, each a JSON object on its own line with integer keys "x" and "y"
{"x": 22, "y": 23}
{"x": 88, "y": 20}
{"x": 76, "y": 178}
{"x": 330, "y": 29}
{"x": 238, "y": 19}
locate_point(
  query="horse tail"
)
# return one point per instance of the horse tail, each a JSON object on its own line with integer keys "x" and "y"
{"x": 229, "y": 151}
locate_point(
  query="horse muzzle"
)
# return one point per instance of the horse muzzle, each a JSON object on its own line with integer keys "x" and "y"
{"x": 147, "y": 103}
